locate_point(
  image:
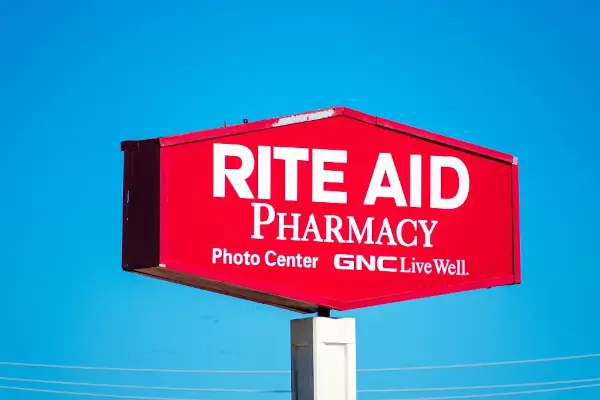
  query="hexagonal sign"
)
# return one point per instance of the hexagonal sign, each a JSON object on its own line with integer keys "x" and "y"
{"x": 330, "y": 209}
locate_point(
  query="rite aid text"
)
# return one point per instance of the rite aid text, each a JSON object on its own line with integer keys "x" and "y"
{"x": 392, "y": 230}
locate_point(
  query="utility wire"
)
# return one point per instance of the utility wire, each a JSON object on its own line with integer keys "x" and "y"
{"x": 110, "y": 385}
{"x": 115, "y": 396}
{"x": 486, "y": 364}
{"x": 185, "y": 371}
{"x": 265, "y": 372}
{"x": 111, "y": 396}
{"x": 508, "y": 385}
{"x": 187, "y": 389}
{"x": 479, "y": 396}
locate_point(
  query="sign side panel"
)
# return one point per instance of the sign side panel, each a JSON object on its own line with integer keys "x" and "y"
{"x": 141, "y": 209}
{"x": 516, "y": 224}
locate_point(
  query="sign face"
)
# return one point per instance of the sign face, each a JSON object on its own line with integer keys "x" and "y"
{"x": 332, "y": 208}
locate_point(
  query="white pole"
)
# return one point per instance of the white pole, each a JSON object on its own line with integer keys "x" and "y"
{"x": 323, "y": 358}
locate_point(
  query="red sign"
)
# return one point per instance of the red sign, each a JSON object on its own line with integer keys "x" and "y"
{"x": 332, "y": 208}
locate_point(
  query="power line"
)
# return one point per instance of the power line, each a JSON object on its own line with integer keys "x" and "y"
{"x": 267, "y": 372}
{"x": 116, "y": 396}
{"x": 111, "y": 396}
{"x": 188, "y": 389}
{"x": 184, "y": 371}
{"x": 110, "y": 385}
{"x": 508, "y": 385}
{"x": 479, "y": 396}
{"x": 486, "y": 364}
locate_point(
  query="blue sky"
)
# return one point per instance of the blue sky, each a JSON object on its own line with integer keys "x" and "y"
{"x": 78, "y": 77}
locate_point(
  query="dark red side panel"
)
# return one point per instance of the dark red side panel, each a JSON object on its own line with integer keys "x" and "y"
{"x": 141, "y": 208}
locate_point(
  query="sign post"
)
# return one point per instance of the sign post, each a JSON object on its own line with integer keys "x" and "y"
{"x": 323, "y": 354}
{"x": 331, "y": 209}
